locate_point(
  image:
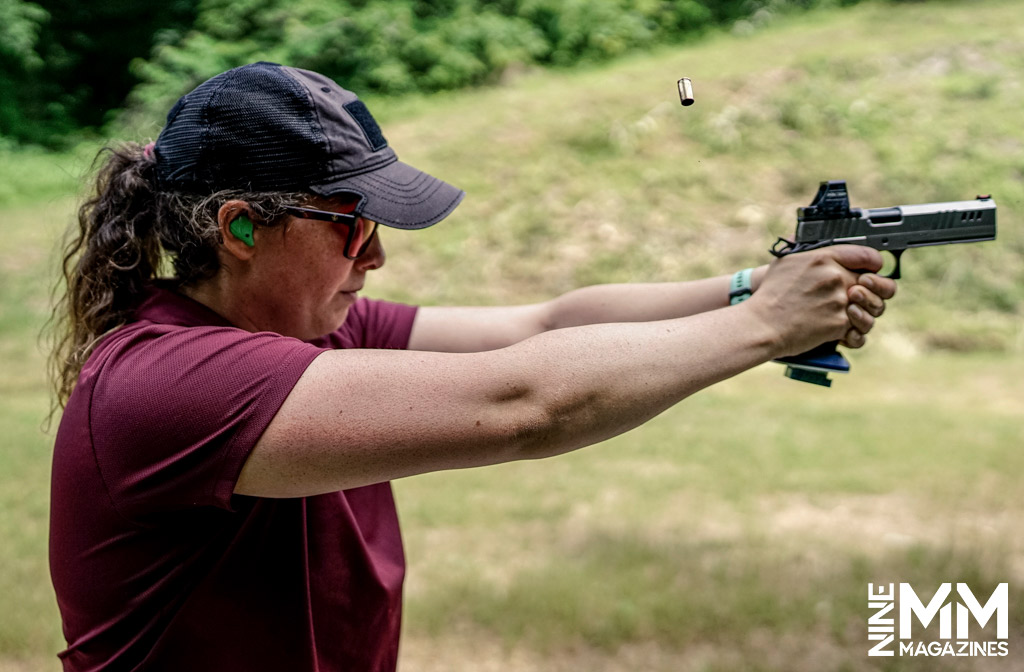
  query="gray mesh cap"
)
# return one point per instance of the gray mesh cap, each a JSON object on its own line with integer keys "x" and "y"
{"x": 268, "y": 127}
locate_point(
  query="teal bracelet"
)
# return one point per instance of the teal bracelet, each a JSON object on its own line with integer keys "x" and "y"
{"x": 740, "y": 289}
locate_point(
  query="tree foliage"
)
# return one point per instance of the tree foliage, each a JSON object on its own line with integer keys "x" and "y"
{"x": 401, "y": 46}
{"x": 69, "y": 64}
{"x": 20, "y": 24}
{"x": 64, "y": 63}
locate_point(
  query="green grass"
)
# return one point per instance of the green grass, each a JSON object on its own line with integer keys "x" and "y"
{"x": 738, "y": 530}
{"x": 744, "y": 510}
{"x": 29, "y": 622}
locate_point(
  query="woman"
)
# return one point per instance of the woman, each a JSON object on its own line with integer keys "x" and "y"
{"x": 221, "y": 494}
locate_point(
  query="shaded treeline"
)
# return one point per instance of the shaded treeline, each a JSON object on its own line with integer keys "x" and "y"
{"x": 67, "y": 65}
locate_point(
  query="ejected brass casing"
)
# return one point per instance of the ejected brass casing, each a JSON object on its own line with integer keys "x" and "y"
{"x": 685, "y": 91}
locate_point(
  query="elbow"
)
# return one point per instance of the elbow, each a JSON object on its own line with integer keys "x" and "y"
{"x": 545, "y": 427}
{"x": 542, "y": 408}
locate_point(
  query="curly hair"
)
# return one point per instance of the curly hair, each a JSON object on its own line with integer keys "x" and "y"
{"x": 129, "y": 233}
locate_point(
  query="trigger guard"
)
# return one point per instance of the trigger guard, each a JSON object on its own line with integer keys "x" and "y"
{"x": 895, "y": 275}
{"x": 788, "y": 246}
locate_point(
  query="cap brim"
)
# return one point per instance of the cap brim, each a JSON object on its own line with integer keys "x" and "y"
{"x": 399, "y": 195}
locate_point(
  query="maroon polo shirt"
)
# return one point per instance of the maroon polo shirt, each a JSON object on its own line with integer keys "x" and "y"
{"x": 156, "y": 564}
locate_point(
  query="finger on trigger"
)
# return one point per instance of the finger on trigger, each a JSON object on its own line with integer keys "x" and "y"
{"x": 858, "y": 257}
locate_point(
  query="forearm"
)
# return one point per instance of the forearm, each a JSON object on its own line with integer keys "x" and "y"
{"x": 641, "y": 302}
{"x": 475, "y": 329}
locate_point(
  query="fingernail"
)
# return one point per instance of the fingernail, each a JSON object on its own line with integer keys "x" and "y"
{"x": 867, "y": 281}
{"x": 856, "y": 313}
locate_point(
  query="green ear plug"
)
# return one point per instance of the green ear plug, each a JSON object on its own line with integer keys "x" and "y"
{"x": 241, "y": 228}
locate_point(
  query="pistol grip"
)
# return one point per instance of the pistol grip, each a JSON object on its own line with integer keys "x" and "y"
{"x": 814, "y": 365}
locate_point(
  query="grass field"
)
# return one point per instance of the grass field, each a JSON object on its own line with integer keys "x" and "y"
{"x": 739, "y": 530}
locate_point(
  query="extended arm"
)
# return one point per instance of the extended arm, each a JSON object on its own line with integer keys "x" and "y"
{"x": 473, "y": 329}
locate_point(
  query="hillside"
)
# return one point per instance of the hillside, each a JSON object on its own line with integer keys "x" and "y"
{"x": 601, "y": 176}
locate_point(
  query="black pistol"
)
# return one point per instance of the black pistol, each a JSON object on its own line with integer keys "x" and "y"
{"x": 829, "y": 220}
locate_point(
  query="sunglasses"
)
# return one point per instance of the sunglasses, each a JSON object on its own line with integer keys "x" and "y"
{"x": 360, "y": 230}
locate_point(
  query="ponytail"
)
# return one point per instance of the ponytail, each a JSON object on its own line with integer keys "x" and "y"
{"x": 125, "y": 228}
{"x": 106, "y": 265}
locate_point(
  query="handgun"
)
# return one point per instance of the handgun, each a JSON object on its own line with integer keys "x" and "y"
{"x": 829, "y": 220}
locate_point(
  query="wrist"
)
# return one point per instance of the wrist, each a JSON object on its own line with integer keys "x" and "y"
{"x": 741, "y": 286}
{"x": 762, "y": 332}
{"x": 758, "y": 277}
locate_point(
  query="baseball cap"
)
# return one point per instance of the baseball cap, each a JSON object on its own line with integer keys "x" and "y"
{"x": 269, "y": 127}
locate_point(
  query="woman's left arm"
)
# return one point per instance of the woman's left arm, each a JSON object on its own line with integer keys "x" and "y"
{"x": 476, "y": 329}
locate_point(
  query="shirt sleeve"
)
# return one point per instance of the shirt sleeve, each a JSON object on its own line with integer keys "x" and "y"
{"x": 174, "y": 415}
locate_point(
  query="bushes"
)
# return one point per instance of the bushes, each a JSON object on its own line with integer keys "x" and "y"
{"x": 20, "y": 64}
{"x": 64, "y": 63}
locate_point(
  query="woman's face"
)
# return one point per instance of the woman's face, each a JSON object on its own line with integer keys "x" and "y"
{"x": 300, "y": 282}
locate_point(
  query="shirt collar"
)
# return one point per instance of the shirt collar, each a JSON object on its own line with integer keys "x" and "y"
{"x": 163, "y": 305}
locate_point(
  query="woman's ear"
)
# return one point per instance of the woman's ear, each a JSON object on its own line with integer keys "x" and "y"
{"x": 237, "y": 232}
